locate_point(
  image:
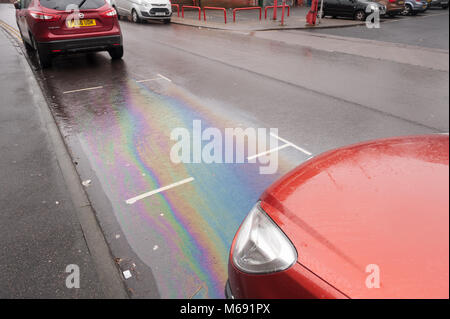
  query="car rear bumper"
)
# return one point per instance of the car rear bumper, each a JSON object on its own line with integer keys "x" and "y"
{"x": 81, "y": 45}
{"x": 228, "y": 292}
{"x": 295, "y": 282}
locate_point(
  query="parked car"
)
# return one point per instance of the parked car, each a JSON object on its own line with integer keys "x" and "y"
{"x": 49, "y": 30}
{"x": 356, "y": 9}
{"x": 139, "y": 10}
{"x": 393, "y": 7}
{"x": 439, "y": 3}
{"x": 369, "y": 220}
{"x": 413, "y": 7}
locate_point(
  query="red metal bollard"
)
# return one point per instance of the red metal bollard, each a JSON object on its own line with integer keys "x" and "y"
{"x": 272, "y": 7}
{"x": 282, "y": 13}
{"x": 215, "y": 8}
{"x": 178, "y": 9}
{"x": 275, "y": 6}
{"x": 192, "y": 7}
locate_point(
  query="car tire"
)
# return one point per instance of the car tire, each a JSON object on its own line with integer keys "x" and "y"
{"x": 407, "y": 10}
{"x": 116, "y": 53}
{"x": 43, "y": 57}
{"x": 392, "y": 15}
{"x": 360, "y": 15}
{"x": 135, "y": 17}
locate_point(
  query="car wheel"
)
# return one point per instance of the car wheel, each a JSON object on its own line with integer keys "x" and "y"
{"x": 360, "y": 15}
{"x": 43, "y": 57}
{"x": 166, "y": 21}
{"x": 135, "y": 17}
{"x": 407, "y": 10}
{"x": 116, "y": 53}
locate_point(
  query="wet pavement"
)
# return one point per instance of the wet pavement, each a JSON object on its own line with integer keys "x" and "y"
{"x": 117, "y": 118}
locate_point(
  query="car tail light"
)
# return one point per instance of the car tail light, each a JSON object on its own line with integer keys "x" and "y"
{"x": 44, "y": 16}
{"x": 110, "y": 13}
{"x": 392, "y": 1}
{"x": 261, "y": 246}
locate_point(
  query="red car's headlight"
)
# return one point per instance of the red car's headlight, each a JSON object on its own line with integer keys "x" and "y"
{"x": 261, "y": 246}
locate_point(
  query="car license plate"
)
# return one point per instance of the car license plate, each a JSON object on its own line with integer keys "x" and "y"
{"x": 160, "y": 13}
{"x": 401, "y": 2}
{"x": 81, "y": 23}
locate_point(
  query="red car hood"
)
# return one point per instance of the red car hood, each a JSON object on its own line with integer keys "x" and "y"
{"x": 384, "y": 202}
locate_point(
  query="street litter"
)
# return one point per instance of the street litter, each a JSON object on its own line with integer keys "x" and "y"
{"x": 86, "y": 183}
{"x": 127, "y": 274}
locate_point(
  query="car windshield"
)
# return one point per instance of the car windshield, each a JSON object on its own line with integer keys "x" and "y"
{"x": 63, "y": 4}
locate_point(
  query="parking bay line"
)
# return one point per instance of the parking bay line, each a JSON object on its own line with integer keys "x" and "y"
{"x": 147, "y": 80}
{"x": 165, "y": 78}
{"x": 291, "y": 144}
{"x": 269, "y": 151}
{"x": 160, "y": 77}
{"x": 86, "y": 89}
{"x": 156, "y": 191}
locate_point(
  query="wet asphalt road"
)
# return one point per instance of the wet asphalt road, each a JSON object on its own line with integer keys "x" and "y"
{"x": 176, "y": 242}
{"x": 429, "y": 29}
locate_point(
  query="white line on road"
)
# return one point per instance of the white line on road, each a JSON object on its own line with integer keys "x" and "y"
{"x": 269, "y": 151}
{"x": 162, "y": 76}
{"x": 291, "y": 144}
{"x": 86, "y": 89}
{"x": 156, "y": 191}
{"x": 147, "y": 80}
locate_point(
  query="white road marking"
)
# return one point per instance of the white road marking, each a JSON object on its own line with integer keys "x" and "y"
{"x": 269, "y": 151}
{"x": 147, "y": 80}
{"x": 291, "y": 144}
{"x": 163, "y": 77}
{"x": 86, "y": 89}
{"x": 156, "y": 191}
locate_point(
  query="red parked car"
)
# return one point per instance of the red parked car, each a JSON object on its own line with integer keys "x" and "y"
{"x": 52, "y": 27}
{"x": 366, "y": 221}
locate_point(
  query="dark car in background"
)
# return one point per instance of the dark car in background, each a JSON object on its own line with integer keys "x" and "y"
{"x": 54, "y": 27}
{"x": 356, "y": 9}
{"x": 439, "y": 4}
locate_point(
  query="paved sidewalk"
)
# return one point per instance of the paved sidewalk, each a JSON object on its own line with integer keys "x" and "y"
{"x": 41, "y": 228}
{"x": 249, "y": 20}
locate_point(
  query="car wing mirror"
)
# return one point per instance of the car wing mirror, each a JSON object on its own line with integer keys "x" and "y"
{"x": 17, "y": 5}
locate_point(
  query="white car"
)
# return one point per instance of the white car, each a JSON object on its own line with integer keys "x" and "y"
{"x": 140, "y": 10}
